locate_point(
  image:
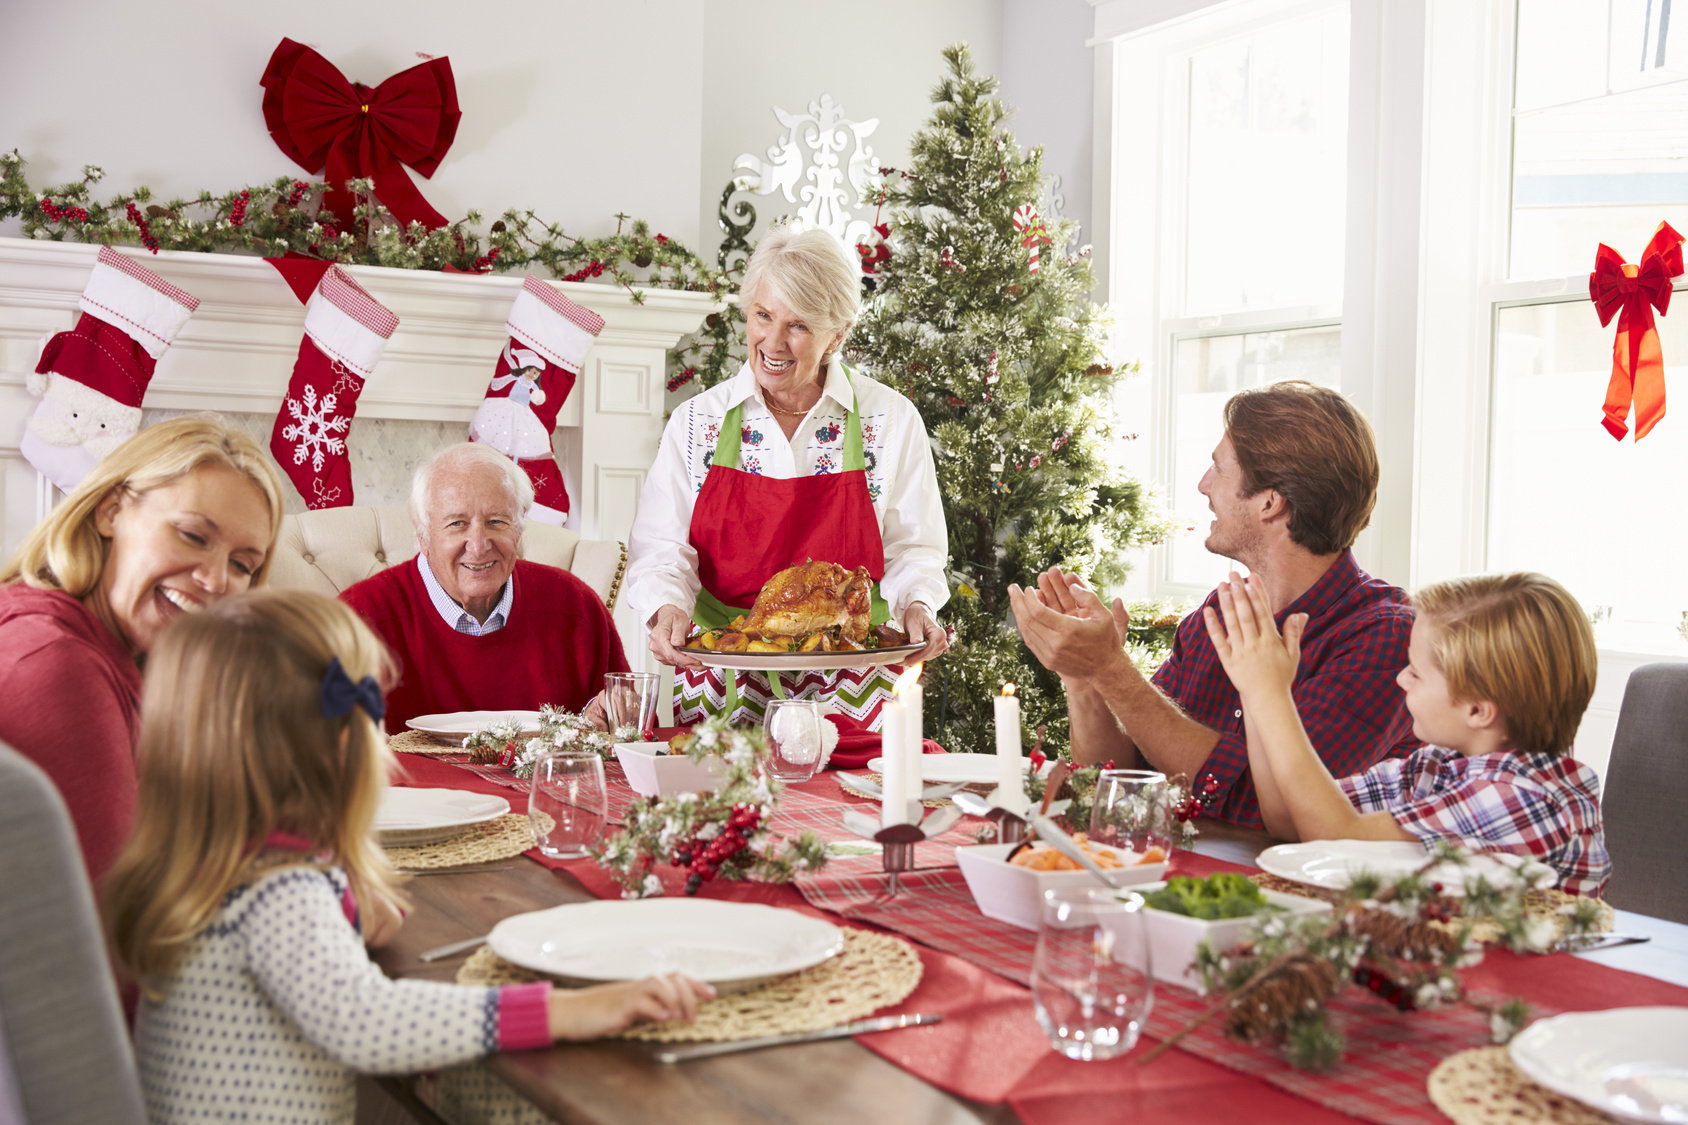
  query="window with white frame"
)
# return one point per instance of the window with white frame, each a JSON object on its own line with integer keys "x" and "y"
{"x": 1599, "y": 154}
{"x": 1229, "y": 225}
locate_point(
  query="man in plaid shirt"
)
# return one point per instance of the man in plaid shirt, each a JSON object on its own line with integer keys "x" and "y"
{"x": 1292, "y": 484}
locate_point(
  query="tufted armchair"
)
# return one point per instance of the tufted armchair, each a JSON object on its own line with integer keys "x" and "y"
{"x": 334, "y": 548}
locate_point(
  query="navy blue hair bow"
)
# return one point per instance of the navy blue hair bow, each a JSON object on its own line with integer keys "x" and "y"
{"x": 340, "y": 694}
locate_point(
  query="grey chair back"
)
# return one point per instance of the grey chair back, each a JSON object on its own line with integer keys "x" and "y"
{"x": 1646, "y": 793}
{"x": 70, "y": 1051}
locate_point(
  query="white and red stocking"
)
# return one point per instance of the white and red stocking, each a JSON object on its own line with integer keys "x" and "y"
{"x": 549, "y": 338}
{"x": 345, "y": 330}
{"x": 93, "y": 377}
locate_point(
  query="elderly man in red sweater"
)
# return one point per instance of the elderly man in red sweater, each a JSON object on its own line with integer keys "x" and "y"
{"x": 473, "y": 627}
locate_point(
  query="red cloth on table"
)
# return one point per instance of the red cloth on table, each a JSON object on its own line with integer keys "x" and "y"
{"x": 857, "y": 746}
{"x": 556, "y": 647}
{"x": 76, "y": 709}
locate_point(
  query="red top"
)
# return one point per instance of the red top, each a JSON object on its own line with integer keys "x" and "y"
{"x": 74, "y": 709}
{"x": 558, "y": 645}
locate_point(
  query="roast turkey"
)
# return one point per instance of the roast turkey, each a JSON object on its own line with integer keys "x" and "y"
{"x": 810, "y": 597}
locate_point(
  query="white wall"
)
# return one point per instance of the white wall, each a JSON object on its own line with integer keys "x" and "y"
{"x": 1047, "y": 76}
{"x": 573, "y": 108}
{"x": 877, "y": 58}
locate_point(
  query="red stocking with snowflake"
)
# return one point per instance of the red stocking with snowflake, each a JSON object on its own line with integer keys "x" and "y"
{"x": 549, "y": 338}
{"x": 345, "y": 331}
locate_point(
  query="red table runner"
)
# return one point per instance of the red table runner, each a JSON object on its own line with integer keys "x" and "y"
{"x": 990, "y": 1049}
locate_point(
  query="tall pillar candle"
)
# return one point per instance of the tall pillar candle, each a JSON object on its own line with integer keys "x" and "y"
{"x": 893, "y": 756}
{"x": 915, "y": 697}
{"x": 1011, "y": 792}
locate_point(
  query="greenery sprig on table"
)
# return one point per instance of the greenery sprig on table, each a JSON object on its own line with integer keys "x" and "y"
{"x": 285, "y": 216}
{"x": 723, "y": 832}
{"x": 1400, "y": 939}
{"x": 501, "y": 742}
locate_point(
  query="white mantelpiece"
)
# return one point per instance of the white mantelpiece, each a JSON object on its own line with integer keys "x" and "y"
{"x": 237, "y": 351}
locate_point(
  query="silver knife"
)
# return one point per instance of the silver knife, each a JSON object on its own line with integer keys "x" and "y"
{"x": 860, "y": 1027}
{"x": 1594, "y": 943}
{"x": 454, "y": 947}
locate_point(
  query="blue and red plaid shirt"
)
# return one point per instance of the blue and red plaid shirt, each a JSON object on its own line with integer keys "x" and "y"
{"x": 1544, "y": 806}
{"x": 1355, "y": 714}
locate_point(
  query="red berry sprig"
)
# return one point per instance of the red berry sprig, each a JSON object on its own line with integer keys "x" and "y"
{"x": 593, "y": 269}
{"x": 681, "y": 378}
{"x": 1382, "y": 986}
{"x": 1194, "y": 805}
{"x": 703, "y": 859}
{"x": 59, "y": 214}
{"x": 145, "y": 227}
{"x": 298, "y": 193}
{"x": 662, "y": 240}
{"x": 237, "y": 213}
{"x": 484, "y": 262}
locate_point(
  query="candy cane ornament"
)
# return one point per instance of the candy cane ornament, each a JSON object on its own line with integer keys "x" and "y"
{"x": 1030, "y": 224}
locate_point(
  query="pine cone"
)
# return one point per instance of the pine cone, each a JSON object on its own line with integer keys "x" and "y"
{"x": 1401, "y": 938}
{"x": 1299, "y": 987}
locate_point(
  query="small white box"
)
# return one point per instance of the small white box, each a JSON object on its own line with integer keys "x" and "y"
{"x": 1173, "y": 937}
{"x": 653, "y": 772}
{"x": 1015, "y": 894}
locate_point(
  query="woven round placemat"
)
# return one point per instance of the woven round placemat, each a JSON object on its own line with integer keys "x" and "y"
{"x": 879, "y": 780}
{"x": 503, "y": 837}
{"x": 874, "y": 971}
{"x": 1482, "y": 1087}
{"x": 1543, "y": 902}
{"x": 415, "y": 742}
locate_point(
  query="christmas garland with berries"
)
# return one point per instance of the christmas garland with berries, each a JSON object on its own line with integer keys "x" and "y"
{"x": 286, "y": 217}
{"x": 724, "y": 832}
{"x": 501, "y": 742}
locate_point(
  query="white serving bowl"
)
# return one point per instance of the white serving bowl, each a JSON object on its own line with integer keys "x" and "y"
{"x": 1015, "y": 894}
{"x": 1173, "y": 937}
{"x": 653, "y": 772}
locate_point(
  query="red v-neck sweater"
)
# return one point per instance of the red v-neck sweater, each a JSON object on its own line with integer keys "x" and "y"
{"x": 559, "y": 643}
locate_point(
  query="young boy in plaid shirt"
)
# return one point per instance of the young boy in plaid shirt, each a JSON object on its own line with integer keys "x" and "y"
{"x": 1500, "y": 670}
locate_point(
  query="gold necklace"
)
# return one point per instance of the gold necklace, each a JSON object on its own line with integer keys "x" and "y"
{"x": 788, "y": 413}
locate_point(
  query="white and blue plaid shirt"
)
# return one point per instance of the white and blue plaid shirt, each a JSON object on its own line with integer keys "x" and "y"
{"x": 455, "y": 615}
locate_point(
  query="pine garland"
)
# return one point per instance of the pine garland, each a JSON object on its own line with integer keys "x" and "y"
{"x": 285, "y": 216}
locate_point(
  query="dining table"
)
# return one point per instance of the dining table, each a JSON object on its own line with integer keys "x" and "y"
{"x": 988, "y": 1061}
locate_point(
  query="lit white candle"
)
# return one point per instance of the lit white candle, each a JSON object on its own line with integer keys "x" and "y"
{"x": 1011, "y": 785}
{"x": 915, "y": 697}
{"x": 893, "y": 756}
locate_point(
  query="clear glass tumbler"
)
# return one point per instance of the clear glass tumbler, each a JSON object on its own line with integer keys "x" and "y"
{"x": 794, "y": 733}
{"x": 568, "y": 805}
{"x": 1131, "y": 809}
{"x": 1089, "y": 1001}
{"x": 630, "y": 701}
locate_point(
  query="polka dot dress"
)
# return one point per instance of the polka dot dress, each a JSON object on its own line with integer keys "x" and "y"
{"x": 276, "y": 1005}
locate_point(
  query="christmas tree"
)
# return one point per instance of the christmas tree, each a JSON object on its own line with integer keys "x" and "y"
{"x": 982, "y": 317}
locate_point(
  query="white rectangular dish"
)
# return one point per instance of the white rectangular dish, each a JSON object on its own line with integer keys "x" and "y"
{"x": 1015, "y": 894}
{"x": 653, "y": 772}
{"x": 1173, "y": 937}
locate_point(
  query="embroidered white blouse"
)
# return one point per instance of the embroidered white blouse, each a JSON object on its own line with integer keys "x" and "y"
{"x": 901, "y": 480}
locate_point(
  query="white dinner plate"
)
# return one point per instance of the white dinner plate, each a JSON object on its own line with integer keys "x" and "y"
{"x": 1332, "y": 863}
{"x": 732, "y": 945}
{"x": 803, "y": 661}
{"x": 409, "y": 818}
{"x": 969, "y": 769}
{"x": 1629, "y": 1062}
{"x": 458, "y": 725}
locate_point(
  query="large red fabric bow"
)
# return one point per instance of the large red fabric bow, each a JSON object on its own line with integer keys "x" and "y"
{"x": 318, "y": 117}
{"x": 1631, "y": 293}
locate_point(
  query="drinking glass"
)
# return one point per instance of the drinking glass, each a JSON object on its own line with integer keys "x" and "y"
{"x": 630, "y": 701}
{"x": 568, "y": 805}
{"x": 1092, "y": 986}
{"x": 794, "y": 733}
{"x": 1131, "y": 809}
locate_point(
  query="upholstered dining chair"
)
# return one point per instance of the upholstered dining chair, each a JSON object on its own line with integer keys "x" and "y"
{"x": 331, "y": 549}
{"x": 66, "y": 1058}
{"x": 1646, "y": 793}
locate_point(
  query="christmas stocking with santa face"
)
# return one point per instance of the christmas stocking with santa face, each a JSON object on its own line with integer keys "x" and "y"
{"x": 345, "y": 331}
{"x": 94, "y": 376}
{"x": 549, "y": 338}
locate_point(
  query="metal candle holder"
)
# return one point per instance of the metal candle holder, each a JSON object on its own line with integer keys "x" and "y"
{"x": 898, "y": 840}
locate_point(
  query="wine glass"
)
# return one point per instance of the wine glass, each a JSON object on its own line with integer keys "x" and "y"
{"x": 1131, "y": 809}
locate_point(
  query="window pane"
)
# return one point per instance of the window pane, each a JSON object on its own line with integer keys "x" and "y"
{"x": 1267, "y": 175}
{"x": 1567, "y": 500}
{"x": 1208, "y": 370}
{"x": 1600, "y": 130}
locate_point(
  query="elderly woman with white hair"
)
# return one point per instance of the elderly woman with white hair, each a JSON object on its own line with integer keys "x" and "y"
{"x": 793, "y": 458}
{"x": 473, "y": 627}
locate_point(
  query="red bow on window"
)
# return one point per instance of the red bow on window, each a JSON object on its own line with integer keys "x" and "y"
{"x": 1638, "y": 365}
{"x": 317, "y": 117}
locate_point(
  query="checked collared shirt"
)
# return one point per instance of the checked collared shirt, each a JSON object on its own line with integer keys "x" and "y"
{"x": 1544, "y": 806}
{"x": 1355, "y": 714}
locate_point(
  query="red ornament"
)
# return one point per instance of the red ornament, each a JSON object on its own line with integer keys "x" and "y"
{"x": 318, "y": 118}
{"x": 1631, "y": 293}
